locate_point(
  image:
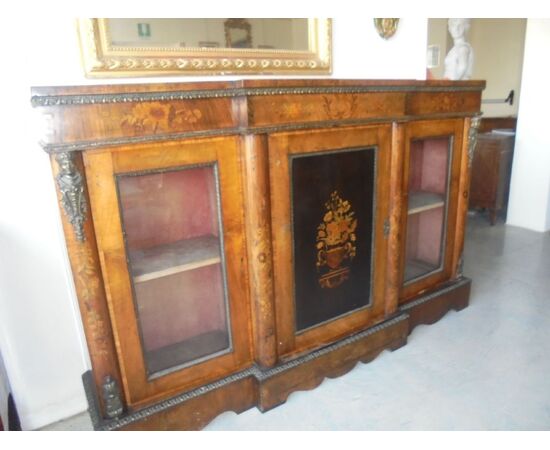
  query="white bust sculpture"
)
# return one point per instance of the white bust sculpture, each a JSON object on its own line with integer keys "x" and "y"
{"x": 459, "y": 62}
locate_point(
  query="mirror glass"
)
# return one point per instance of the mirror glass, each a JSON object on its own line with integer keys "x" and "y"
{"x": 278, "y": 34}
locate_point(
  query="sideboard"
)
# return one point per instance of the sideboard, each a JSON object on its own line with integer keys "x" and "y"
{"x": 491, "y": 172}
{"x": 233, "y": 242}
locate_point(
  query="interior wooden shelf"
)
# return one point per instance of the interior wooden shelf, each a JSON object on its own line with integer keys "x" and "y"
{"x": 415, "y": 268}
{"x": 179, "y": 256}
{"x": 420, "y": 201}
{"x": 187, "y": 350}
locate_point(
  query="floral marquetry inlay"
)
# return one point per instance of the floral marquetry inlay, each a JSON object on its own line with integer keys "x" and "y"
{"x": 339, "y": 109}
{"x": 159, "y": 117}
{"x": 262, "y": 254}
{"x": 336, "y": 241}
{"x": 87, "y": 280}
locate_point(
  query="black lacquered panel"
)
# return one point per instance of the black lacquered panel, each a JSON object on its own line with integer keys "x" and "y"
{"x": 332, "y": 212}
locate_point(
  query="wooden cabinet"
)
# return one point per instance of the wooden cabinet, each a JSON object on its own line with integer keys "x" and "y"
{"x": 234, "y": 242}
{"x": 491, "y": 172}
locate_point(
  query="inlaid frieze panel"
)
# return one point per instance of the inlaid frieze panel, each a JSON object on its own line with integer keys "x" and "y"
{"x": 131, "y": 120}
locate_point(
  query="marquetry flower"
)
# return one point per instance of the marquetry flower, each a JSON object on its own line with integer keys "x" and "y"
{"x": 187, "y": 115}
{"x": 291, "y": 110}
{"x": 153, "y": 117}
{"x": 337, "y": 229}
{"x": 337, "y": 108}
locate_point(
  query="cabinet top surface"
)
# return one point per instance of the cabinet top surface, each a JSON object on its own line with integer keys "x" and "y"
{"x": 257, "y": 84}
{"x": 496, "y": 136}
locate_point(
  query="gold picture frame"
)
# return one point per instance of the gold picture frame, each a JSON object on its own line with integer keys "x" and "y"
{"x": 103, "y": 59}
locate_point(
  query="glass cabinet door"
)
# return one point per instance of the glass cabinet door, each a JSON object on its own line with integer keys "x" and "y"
{"x": 430, "y": 185}
{"x": 171, "y": 223}
{"x": 427, "y": 206}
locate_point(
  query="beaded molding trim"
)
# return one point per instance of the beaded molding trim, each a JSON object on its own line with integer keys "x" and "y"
{"x": 253, "y": 371}
{"x": 84, "y": 145}
{"x": 130, "y": 97}
{"x": 451, "y": 287}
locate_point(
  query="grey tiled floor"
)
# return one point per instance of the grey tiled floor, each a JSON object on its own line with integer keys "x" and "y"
{"x": 484, "y": 368}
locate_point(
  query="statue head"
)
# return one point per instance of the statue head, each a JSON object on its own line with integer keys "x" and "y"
{"x": 458, "y": 27}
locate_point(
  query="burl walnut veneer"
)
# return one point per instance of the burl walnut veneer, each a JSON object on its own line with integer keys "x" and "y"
{"x": 233, "y": 242}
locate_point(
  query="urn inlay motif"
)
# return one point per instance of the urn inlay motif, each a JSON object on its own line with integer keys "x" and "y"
{"x": 336, "y": 242}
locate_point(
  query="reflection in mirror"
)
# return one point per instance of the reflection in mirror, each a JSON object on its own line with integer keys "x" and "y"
{"x": 238, "y": 33}
{"x": 141, "y": 46}
{"x": 279, "y": 34}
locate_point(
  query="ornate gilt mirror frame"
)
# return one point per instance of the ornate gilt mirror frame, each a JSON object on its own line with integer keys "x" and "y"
{"x": 101, "y": 59}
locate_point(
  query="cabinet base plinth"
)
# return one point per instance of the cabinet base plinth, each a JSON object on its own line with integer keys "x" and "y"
{"x": 264, "y": 388}
{"x": 429, "y": 307}
{"x": 309, "y": 371}
{"x": 196, "y": 413}
{"x": 268, "y": 388}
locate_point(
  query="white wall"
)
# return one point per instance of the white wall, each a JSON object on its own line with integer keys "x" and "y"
{"x": 40, "y": 330}
{"x": 529, "y": 204}
{"x": 498, "y": 55}
{"x": 439, "y": 35}
{"x": 4, "y": 393}
{"x": 359, "y": 52}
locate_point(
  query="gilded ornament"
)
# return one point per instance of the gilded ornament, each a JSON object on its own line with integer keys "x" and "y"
{"x": 101, "y": 58}
{"x": 386, "y": 27}
{"x": 472, "y": 138}
{"x": 71, "y": 187}
{"x": 336, "y": 242}
{"x": 92, "y": 99}
{"x": 111, "y": 398}
{"x": 460, "y": 266}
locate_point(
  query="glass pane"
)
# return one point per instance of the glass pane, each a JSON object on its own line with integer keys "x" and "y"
{"x": 172, "y": 231}
{"x": 333, "y": 220}
{"x": 255, "y": 33}
{"x": 427, "y": 208}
